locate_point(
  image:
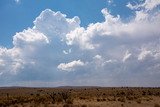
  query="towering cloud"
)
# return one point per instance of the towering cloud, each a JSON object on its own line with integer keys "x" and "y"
{"x": 108, "y": 53}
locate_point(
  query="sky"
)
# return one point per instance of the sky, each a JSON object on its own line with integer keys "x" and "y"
{"x": 110, "y": 43}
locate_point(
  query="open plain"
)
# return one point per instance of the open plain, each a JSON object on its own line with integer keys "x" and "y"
{"x": 79, "y": 97}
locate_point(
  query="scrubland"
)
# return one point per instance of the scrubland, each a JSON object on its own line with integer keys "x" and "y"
{"x": 79, "y": 97}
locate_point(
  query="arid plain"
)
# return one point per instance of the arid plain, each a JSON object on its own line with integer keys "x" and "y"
{"x": 79, "y": 97}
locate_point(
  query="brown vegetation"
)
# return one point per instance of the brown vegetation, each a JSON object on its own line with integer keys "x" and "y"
{"x": 80, "y": 97}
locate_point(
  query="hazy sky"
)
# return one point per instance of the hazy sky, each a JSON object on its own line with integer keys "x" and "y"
{"x": 80, "y": 42}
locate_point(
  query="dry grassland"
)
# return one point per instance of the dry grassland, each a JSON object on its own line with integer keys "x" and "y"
{"x": 79, "y": 97}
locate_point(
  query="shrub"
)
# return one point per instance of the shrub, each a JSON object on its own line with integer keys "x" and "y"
{"x": 104, "y": 99}
{"x": 82, "y": 98}
{"x": 138, "y": 101}
{"x": 122, "y": 105}
{"x": 156, "y": 105}
{"x": 2, "y": 104}
{"x": 53, "y": 97}
{"x": 69, "y": 101}
{"x": 130, "y": 97}
{"x": 68, "y": 105}
{"x": 122, "y": 93}
{"x": 111, "y": 98}
{"x": 61, "y": 97}
{"x": 84, "y": 105}
{"x": 40, "y": 99}
{"x": 98, "y": 99}
{"x": 65, "y": 96}
{"x": 122, "y": 99}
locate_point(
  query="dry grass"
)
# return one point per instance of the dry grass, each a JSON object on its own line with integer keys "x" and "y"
{"x": 80, "y": 97}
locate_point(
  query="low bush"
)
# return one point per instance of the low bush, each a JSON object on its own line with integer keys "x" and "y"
{"x": 122, "y": 99}
{"x": 84, "y": 105}
{"x": 156, "y": 105}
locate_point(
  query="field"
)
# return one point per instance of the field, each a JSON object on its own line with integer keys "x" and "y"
{"x": 79, "y": 97}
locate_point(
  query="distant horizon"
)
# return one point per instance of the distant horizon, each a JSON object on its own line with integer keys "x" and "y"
{"x": 74, "y": 87}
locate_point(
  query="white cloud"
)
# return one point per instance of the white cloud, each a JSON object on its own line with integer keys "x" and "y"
{"x": 140, "y": 16}
{"x": 67, "y": 51}
{"x": 29, "y": 37}
{"x": 110, "y": 53}
{"x": 97, "y": 57}
{"x": 113, "y": 30}
{"x": 144, "y": 54}
{"x": 55, "y": 24}
{"x": 110, "y": 1}
{"x": 126, "y": 56}
{"x": 147, "y": 5}
{"x": 17, "y": 1}
{"x": 129, "y": 5}
{"x": 80, "y": 37}
{"x": 9, "y": 59}
{"x": 71, "y": 66}
{"x": 150, "y": 4}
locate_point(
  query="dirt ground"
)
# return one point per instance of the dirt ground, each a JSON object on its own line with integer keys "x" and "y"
{"x": 79, "y": 97}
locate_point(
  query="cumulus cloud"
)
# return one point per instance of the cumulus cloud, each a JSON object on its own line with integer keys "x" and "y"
{"x": 71, "y": 66}
{"x": 147, "y": 5}
{"x": 144, "y": 54}
{"x": 55, "y": 24}
{"x": 109, "y": 53}
{"x": 97, "y": 57}
{"x": 29, "y": 37}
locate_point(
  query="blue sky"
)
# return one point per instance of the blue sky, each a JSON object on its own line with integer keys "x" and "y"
{"x": 17, "y": 16}
{"x": 93, "y": 42}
